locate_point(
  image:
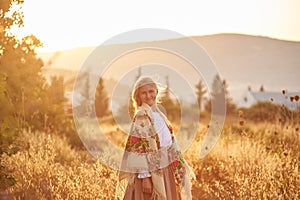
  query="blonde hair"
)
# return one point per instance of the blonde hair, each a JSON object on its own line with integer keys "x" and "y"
{"x": 144, "y": 80}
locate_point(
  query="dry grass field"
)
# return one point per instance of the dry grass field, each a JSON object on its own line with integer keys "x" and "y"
{"x": 250, "y": 161}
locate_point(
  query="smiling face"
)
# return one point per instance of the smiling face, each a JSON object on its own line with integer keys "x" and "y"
{"x": 147, "y": 94}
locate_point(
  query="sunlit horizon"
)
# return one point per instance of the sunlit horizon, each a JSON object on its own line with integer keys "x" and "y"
{"x": 47, "y": 49}
{"x": 62, "y": 25}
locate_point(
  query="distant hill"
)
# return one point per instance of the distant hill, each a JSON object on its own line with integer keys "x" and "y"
{"x": 242, "y": 60}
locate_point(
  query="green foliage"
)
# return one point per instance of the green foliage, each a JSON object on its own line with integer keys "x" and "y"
{"x": 7, "y": 130}
{"x": 26, "y": 100}
{"x": 170, "y": 107}
{"x": 270, "y": 112}
{"x": 262, "y": 111}
{"x": 21, "y": 84}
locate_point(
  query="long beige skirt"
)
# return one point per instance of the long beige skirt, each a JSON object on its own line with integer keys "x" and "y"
{"x": 135, "y": 190}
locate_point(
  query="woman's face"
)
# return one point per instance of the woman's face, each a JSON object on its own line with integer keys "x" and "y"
{"x": 147, "y": 94}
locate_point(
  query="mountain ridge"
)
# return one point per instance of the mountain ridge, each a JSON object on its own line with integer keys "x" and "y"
{"x": 242, "y": 60}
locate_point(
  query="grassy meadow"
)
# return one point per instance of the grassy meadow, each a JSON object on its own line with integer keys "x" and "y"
{"x": 250, "y": 161}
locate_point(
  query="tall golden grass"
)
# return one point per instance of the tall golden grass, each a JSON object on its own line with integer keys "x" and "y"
{"x": 250, "y": 161}
{"x": 47, "y": 168}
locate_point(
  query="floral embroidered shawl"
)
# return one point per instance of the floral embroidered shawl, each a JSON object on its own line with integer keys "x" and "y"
{"x": 144, "y": 154}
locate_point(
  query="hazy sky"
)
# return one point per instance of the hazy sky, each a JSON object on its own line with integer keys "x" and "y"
{"x": 64, "y": 24}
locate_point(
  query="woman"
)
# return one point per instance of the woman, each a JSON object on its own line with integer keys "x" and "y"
{"x": 152, "y": 163}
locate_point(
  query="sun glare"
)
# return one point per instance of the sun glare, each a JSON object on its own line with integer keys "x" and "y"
{"x": 69, "y": 24}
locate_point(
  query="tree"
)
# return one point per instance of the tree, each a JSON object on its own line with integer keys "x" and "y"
{"x": 22, "y": 85}
{"x": 27, "y": 101}
{"x": 83, "y": 103}
{"x": 220, "y": 98}
{"x": 217, "y": 97}
{"x": 230, "y": 105}
{"x": 52, "y": 108}
{"x": 172, "y": 108}
{"x": 200, "y": 91}
{"x": 101, "y": 100}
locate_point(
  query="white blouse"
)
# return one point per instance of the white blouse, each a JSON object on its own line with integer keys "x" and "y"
{"x": 162, "y": 130}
